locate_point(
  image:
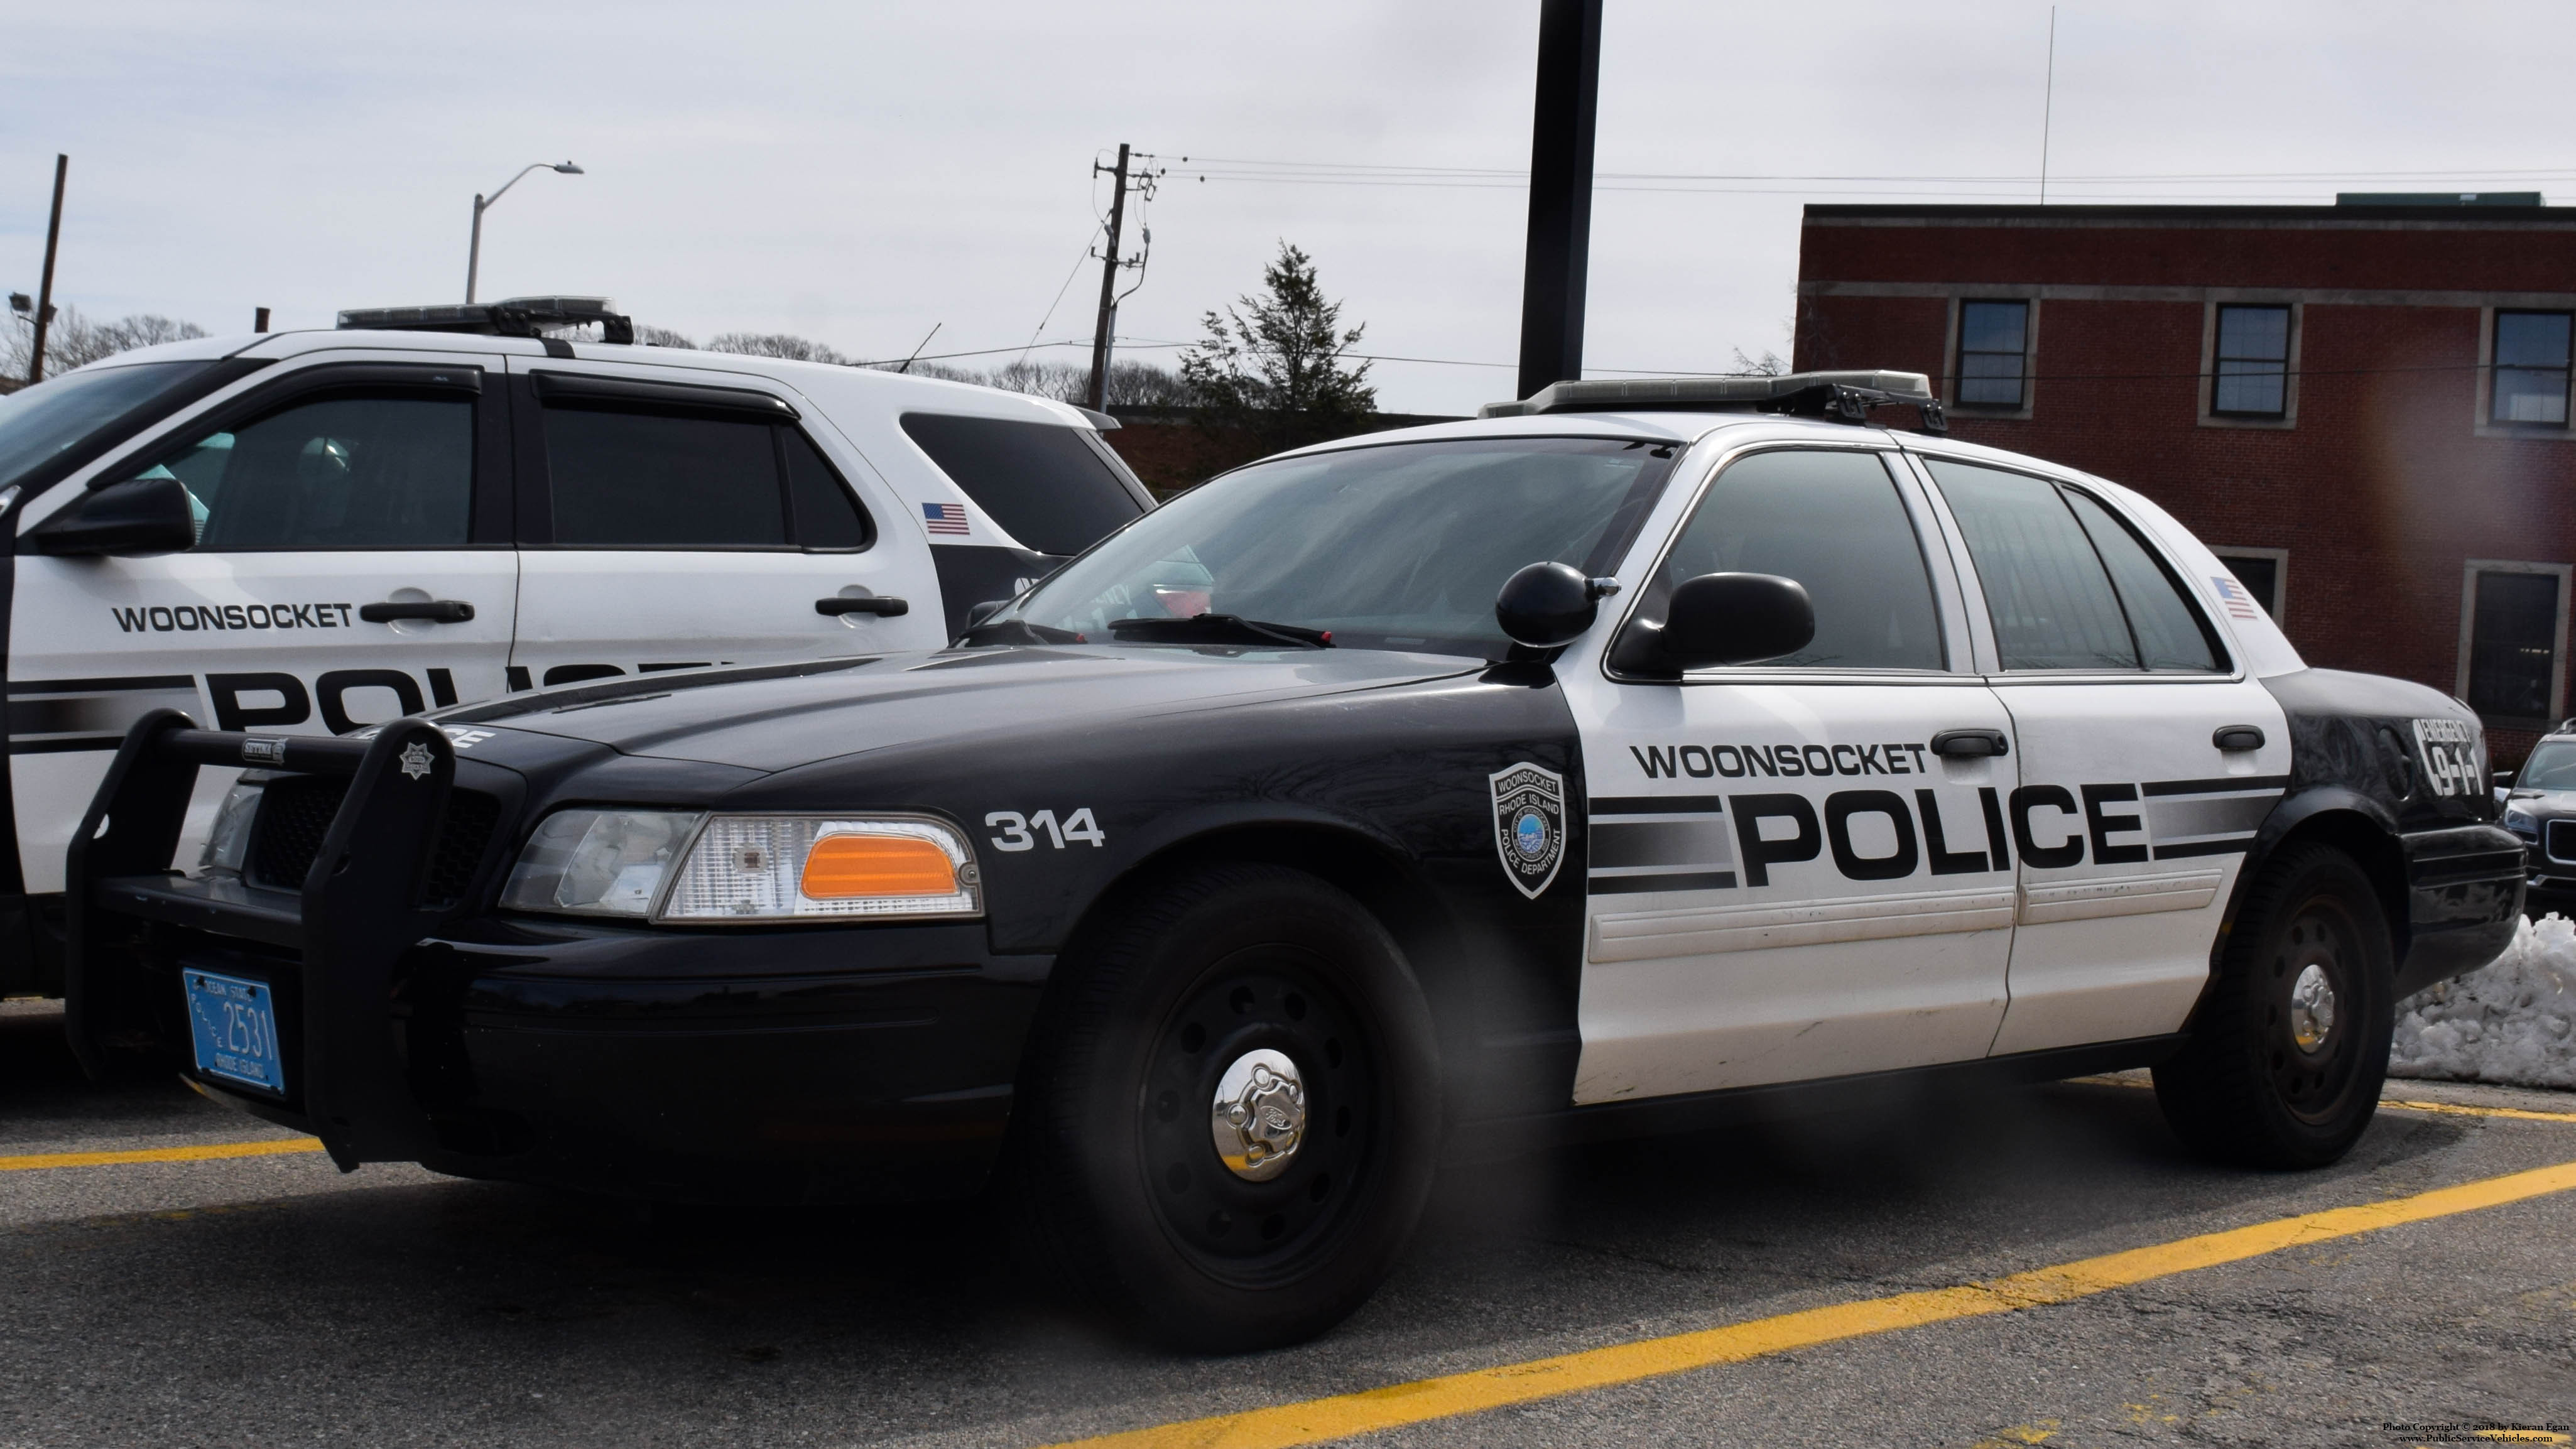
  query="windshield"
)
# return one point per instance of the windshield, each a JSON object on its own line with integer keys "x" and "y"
{"x": 2551, "y": 767}
{"x": 1401, "y": 546}
{"x": 40, "y": 422}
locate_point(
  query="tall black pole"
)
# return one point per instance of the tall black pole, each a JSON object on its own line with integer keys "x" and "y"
{"x": 1560, "y": 198}
{"x": 45, "y": 287}
{"x": 1098, "y": 393}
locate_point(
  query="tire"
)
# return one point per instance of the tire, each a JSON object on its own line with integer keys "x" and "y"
{"x": 2265, "y": 1080}
{"x": 1122, "y": 1195}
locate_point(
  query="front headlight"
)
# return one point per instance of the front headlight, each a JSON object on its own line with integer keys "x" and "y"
{"x": 787, "y": 867}
{"x": 598, "y": 862}
{"x": 2519, "y": 820}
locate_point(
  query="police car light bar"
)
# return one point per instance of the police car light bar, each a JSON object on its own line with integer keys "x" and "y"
{"x": 512, "y": 317}
{"x": 1847, "y": 396}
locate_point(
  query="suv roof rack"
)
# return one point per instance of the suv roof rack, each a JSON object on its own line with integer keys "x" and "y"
{"x": 512, "y": 317}
{"x": 1843, "y": 396}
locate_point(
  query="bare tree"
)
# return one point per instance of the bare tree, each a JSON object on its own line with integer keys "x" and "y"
{"x": 1769, "y": 364}
{"x": 74, "y": 340}
{"x": 776, "y": 344}
{"x": 1131, "y": 384}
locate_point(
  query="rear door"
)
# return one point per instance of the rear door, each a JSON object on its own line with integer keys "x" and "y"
{"x": 673, "y": 518}
{"x": 352, "y": 565}
{"x": 2131, "y": 820}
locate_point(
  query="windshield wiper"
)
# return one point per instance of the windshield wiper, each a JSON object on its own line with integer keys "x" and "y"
{"x": 1219, "y": 629}
{"x": 1017, "y": 631}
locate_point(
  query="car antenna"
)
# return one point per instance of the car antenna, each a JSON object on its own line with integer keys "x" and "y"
{"x": 925, "y": 342}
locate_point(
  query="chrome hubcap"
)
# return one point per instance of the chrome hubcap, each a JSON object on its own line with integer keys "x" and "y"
{"x": 1259, "y": 1116}
{"x": 2312, "y": 1009}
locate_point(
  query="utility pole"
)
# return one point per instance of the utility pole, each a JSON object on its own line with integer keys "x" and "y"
{"x": 45, "y": 286}
{"x": 1560, "y": 196}
{"x": 1098, "y": 393}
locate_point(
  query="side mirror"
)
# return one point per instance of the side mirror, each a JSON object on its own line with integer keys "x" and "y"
{"x": 1546, "y": 604}
{"x": 977, "y": 614}
{"x": 1720, "y": 619}
{"x": 147, "y": 515}
{"x": 2504, "y": 779}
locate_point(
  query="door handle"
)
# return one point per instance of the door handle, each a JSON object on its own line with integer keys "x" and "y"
{"x": 2233, "y": 738}
{"x": 436, "y": 611}
{"x": 1971, "y": 744}
{"x": 883, "y": 608}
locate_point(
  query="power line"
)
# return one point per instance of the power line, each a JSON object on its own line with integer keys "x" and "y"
{"x": 1059, "y": 293}
{"x": 1218, "y": 165}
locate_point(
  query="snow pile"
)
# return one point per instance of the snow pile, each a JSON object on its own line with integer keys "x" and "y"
{"x": 2513, "y": 1022}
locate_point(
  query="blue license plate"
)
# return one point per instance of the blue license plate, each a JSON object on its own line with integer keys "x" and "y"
{"x": 234, "y": 1022}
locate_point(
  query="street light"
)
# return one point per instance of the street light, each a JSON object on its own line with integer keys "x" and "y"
{"x": 474, "y": 253}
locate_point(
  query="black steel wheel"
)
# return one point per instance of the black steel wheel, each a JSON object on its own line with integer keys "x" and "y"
{"x": 2290, "y": 1048}
{"x": 1230, "y": 1122}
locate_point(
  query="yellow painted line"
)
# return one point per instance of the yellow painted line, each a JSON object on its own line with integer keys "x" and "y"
{"x": 202, "y": 1152}
{"x": 1341, "y": 1416}
{"x": 2454, "y": 1109}
{"x": 2516, "y": 1113}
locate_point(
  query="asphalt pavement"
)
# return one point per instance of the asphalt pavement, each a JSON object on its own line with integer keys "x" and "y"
{"x": 269, "y": 1299}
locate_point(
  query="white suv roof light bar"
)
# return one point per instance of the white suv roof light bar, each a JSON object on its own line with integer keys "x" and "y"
{"x": 512, "y": 317}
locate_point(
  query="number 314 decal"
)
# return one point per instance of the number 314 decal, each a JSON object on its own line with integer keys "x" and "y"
{"x": 1018, "y": 831}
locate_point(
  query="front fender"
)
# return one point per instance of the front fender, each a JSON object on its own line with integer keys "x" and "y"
{"x": 2452, "y": 894}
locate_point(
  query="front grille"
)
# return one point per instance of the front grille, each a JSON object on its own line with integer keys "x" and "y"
{"x": 296, "y": 812}
{"x": 471, "y": 814}
{"x": 2561, "y": 838}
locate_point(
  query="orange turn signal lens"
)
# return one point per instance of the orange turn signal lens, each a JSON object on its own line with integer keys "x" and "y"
{"x": 844, "y": 867}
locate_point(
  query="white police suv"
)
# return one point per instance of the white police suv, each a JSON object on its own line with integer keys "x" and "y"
{"x": 309, "y": 532}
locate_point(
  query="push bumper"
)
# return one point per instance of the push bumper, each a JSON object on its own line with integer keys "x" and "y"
{"x": 773, "y": 1065}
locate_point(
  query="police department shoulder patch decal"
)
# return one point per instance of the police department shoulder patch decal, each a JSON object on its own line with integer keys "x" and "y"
{"x": 1529, "y": 825}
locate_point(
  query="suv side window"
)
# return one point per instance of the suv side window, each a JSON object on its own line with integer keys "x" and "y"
{"x": 1040, "y": 481}
{"x": 642, "y": 477}
{"x": 1835, "y": 522}
{"x": 335, "y": 473}
{"x": 2067, "y": 585}
{"x": 629, "y": 478}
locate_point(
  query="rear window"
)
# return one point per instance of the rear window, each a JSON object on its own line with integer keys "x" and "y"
{"x": 1040, "y": 481}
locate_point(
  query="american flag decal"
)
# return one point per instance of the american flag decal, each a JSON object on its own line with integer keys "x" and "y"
{"x": 2240, "y": 604}
{"x": 944, "y": 517}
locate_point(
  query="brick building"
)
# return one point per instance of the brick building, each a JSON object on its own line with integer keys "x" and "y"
{"x": 2364, "y": 408}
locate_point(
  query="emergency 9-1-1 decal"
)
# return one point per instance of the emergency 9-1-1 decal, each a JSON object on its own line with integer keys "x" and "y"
{"x": 2451, "y": 764}
{"x": 1529, "y": 825}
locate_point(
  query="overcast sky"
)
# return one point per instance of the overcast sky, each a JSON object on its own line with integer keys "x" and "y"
{"x": 859, "y": 172}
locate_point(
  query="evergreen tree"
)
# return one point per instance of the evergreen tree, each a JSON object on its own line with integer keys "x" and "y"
{"x": 1274, "y": 365}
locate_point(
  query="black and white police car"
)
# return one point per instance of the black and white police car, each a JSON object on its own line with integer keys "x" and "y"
{"x": 1626, "y": 758}
{"x": 2539, "y": 803}
{"x": 314, "y": 531}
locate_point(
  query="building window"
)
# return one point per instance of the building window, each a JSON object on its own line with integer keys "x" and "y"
{"x": 2264, "y": 572}
{"x": 2512, "y": 639}
{"x": 2253, "y": 363}
{"x": 1994, "y": 353}
{"x": 2530, "y": 369}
